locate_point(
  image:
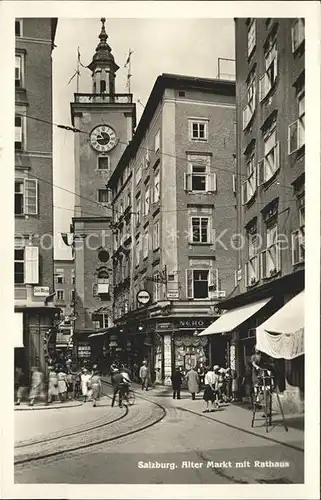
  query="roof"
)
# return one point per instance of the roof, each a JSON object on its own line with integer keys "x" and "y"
{"x": 164, "y": 81}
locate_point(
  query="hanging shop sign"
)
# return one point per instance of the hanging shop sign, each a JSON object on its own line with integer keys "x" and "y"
{"x": 172, "y": 295}
{"x": 143, "y": 297}
{"x": 218, "y": 294}
{"x": 41, "y": 291}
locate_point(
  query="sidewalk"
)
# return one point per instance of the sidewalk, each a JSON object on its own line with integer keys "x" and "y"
{"x": 43, "y": 406}
{"x": 237, "y": 416}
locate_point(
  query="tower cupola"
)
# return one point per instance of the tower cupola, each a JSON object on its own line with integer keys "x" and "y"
{"x": 103, "y": 66}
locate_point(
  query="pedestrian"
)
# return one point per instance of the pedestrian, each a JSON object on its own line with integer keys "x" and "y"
{"x": 153, "y": 378}
{"x": 95, "y": 385}
{"x": 70, "y": 385}
{"x": 193, "y": 382}
{"x": 201, "y": 374}
{"x": 210, "y": 391}
{"x": 37, "y": 386}
{"x": 117, "y": 389}
{"x": 68, "y": 363}
{"x": 52, "y": 384}
{"x": 220, "y": 385}
{"x": 114, "y": 368}
{"x": 143, "y": 375}
{"x": 177, "y": 383}
{"x": 62, "y": 385}
{"x": 256, "y": 369}
{"x": 21, "y": 385}
{"x": 85, "y": 376}
{"x": 234, "y": 385}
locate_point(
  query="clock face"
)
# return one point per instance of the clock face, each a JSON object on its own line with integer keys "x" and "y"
{"x": 103, "y": 138}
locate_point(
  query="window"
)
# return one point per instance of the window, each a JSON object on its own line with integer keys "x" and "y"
{"x": 251, "y": 41}
{"x": 100, "y": 320}
{"x": 270, "y": 258}
{"x": 73, "y": 280}
{"x": 249, "y": 186}
{"x": 156, "y": 186}
{"x": 249, "y": 109}
{"x": 103, "y": 282}
{"x": 102, "y": 86}
{"x": 18, "y": 28}
{"x": 26, "y": 197}
{"x": 138, "y": 210}
{"x": 156, "y": 287}
{"x": 60, "y": 279}
{"x": 200, "y": 230}
{"x": 103, "y": 163}
{"x": 298, "y": 236}
{"x": 156, "y": 228}
{"x": 252, "y": 265}
{"x": 19, "y": 133}
{"x": 296, "y": 132}
{"x": 157, "y": 142}
{"x": 271, "y": 162}
{"x": 72, "y": 295}
{"x": 146, "y": 243}
{"x": 200, "y": 283}
{"x": 60, "y": 295}
{"x": 19, "y": 264}
{"x": 19, "y": 81}
{"x": 102, "y": 195}
{"x": 138, "y": 247}
{"x": 271, "y": 69}
{"x": 139, "y": 171}
{"x": 147, "y": 201}
{"x": 199, "y": 178}
{"x": 297, "y": 34}
{"x": 198, "y": 130}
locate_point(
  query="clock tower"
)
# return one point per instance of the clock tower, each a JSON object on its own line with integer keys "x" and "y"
{"x": 106, "y": 121}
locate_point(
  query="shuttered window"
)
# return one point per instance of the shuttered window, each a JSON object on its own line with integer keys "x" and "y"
{"x": 31, "y": 257}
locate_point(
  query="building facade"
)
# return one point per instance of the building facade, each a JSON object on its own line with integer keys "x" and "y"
{"x": 64, "y": 274}
{"x": 270, "y": 77}
{"x": 106, "y": 121}
{"x": 33, "y": 250}
{"x": 173, "y": 191}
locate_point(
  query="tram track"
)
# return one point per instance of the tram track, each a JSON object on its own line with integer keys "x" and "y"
{"x": 110, "y": 431}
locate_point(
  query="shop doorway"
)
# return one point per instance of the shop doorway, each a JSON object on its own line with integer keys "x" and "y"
{"x": 219, "y": 350}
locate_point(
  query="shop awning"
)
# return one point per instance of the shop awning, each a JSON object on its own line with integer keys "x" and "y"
{"x": 233, "y": 318}
{"x": 282, "y": 335}
{"x": 99, "y": 334}
{"x": 18, "y": 329}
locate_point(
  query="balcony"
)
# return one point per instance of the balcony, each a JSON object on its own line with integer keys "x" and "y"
{"x": 252, "y": 271}
{"x": 103, "y": 98}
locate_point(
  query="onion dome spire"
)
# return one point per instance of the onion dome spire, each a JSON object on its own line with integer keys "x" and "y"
{"x": 103, "y": 56}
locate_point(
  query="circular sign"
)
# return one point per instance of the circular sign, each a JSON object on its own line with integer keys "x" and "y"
{"x": 143, "y": 297}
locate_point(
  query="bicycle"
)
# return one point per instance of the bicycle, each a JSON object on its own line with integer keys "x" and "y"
{"x": 128, "y": 396}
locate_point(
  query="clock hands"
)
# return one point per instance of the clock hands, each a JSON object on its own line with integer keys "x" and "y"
{"x": 103, "y": 138}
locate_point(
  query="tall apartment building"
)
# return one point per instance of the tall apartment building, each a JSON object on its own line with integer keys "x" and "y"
{"x": 65, "y": 280}
{"x": 173, "y": 190}
{"x": 270, "y": 76}
{"x": 33, "y": 251}
{"x": 107, "y": 120}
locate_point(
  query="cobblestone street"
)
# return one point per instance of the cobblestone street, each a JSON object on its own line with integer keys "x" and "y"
{"x": 164, "y": 441}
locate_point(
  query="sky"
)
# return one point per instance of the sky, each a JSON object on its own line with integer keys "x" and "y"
{"x": 182, "y": 46}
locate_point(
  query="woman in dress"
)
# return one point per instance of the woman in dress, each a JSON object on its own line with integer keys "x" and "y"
{"x": 36, "y": 388}
{"x": 85, "y": 376}
{"x": 52, "y": 385}
{"x": 95, "y": 385}
{"x": 62, "y": 385}
{"x": 209, "y": 395}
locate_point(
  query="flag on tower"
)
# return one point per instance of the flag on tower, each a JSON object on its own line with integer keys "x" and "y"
{"x": 128, "y": 58}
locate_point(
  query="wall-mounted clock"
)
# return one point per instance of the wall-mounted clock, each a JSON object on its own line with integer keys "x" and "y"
{"x": 103, "y": 138}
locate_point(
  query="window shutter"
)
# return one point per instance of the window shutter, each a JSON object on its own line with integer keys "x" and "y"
{"x": 263, "y": 264}
{"x": 277, "y": 156}
{"x": 213, "y": 184}
{"x": 31, "y": 265}
{"x": 246, "y": 275}
{"x": 31, "y": 196}
{"x": 213, "y": 279}
{"x": 18, "y": 129}
{"x": 261, "y": 172}
{"x": 235, "y": 279}
{"x": 262, "y": 85}
{"x": 244, "y": 192}
{"x": 189, "y": 283}
{"x": 234, "y": 183}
